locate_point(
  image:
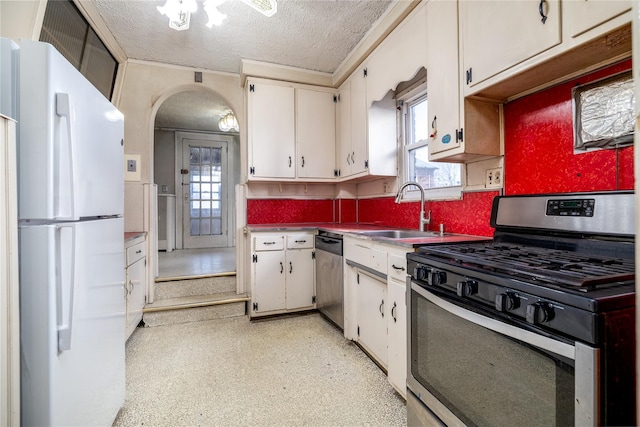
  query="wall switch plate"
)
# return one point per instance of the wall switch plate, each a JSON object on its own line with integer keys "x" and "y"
{"x": 493, "y": 178}
{"x": 132, "y": 167}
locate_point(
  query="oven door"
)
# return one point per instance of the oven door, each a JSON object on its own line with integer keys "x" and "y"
{"x": 470, "y": 368}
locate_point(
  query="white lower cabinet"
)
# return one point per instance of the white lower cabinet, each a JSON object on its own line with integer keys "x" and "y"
{"x": 282, "y": 273}
{"x": 375, "y": 304}
{"x": 135, "y": 285}
{"x": 372, "y": 322}
{"x": 397, "y": 323}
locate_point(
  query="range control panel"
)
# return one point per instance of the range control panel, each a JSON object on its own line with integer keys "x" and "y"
{"x": 571, "y": 207}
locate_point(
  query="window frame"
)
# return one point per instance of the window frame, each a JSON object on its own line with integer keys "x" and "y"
{"x": 405, "y": 101}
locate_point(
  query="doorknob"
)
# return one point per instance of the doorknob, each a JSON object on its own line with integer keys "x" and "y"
{"x": 184, "y": 171}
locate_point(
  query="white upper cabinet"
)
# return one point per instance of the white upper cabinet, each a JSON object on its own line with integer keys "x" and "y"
{"x": 358, "y": 160}
{"x": 460, "y": 130}
{"x": 343, "y": 129}
{"x": 271, "y": 130}
{"x": 291, "y": 131}
{"x": 443, "y": 86}
{"x": 366, "y": 133}
{"x": 508, "y": 51}
{"x": 497, "y": 35}
{"x": 315, "y": 133}
{"x": 585, "y": 15}
{"x": 399, "y": 56}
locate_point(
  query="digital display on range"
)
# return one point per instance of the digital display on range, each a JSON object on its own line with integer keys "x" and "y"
{"x": 571, "y": 207}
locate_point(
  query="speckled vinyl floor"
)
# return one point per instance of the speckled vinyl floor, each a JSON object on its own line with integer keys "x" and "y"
{"x": 288, "y": 371}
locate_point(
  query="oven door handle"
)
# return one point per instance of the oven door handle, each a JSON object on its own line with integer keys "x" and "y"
{"x": 549, "y": 344}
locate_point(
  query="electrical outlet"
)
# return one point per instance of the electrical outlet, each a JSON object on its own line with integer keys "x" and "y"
{"x": 493, "y": 178}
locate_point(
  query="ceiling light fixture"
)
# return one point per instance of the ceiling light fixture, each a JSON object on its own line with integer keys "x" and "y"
{"x": 228, "y": 123}
{"x": 179, "y": 11}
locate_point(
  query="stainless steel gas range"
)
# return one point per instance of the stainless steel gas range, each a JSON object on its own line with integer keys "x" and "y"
{"x": 536, "y": 327}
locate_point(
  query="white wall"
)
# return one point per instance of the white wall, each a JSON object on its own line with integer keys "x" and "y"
{"x": 21, "y": 19}
{"x": 145, "y": 86}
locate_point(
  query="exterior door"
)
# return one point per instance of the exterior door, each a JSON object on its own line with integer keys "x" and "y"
{"x": 204, "y": 193}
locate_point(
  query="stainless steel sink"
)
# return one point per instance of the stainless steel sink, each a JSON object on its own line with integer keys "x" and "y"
{"x": 399, "y": 234}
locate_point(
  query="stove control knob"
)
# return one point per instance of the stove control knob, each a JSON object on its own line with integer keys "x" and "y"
{"x": 539, "y": 312}
{"x": 420, "y": 273}
{"x": 466, "y": 288}
{"x": 506, "y": 301}
{"x": 437, "y": 277}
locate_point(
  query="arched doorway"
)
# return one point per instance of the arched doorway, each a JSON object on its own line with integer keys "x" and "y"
{"x": 196, "y": 167}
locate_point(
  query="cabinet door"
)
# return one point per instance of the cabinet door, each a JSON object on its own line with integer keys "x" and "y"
{"x": 271, "y": 131}
{"x": 584, "y": 15}
{"x": 497, "y": 35}
{"x": 358, "y": 122}
{"x": 443, "y": 86}
{"x": 135, "y": 286}
{"x": 399, "y": 56}
{"x": 268, "y": 285}
{"x": 397, "y": 336}
{"x": 300, "y": 278}
{"x": 372, "y": 323}
{"x": 343, "y": 152}
{"x": 316, "y": 133}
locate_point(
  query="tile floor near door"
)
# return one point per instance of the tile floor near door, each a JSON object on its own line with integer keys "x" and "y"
{"x": 196, "y": 262}
{"x": 287, "y": 371}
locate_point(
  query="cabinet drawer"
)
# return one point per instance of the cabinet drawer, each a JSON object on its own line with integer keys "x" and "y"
{"x": 300, "y": 241}
{"x": 364, "y": 254}
{"x": 397, "y": 267}
{"x": 268, "y": 243}
{"x": 136, "y": 252}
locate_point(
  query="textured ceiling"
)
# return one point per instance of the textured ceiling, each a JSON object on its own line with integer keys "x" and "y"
{"x": 191, "y": 110}
{"x": 310, "y": 34}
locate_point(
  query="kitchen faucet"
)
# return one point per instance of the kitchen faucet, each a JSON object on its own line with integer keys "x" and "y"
{"x": 423, "y": 220}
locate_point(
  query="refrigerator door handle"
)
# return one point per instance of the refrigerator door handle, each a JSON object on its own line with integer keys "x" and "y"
{"x": 63, "y": 109}
{"x": 65, "y": 283}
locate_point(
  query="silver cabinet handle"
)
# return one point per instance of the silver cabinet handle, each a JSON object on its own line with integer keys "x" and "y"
{"x": 393, "y": 312}
{"x": 381, "y": 308}
{"x": 397, "y": 268}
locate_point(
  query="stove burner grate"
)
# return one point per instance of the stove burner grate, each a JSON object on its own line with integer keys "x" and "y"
{"x": 557, "y": 267}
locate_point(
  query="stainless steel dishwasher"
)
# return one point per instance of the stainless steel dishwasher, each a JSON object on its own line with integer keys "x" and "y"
{"x": 329, "y": 288}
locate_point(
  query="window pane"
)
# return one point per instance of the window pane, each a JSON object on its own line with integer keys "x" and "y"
{"x": 216, "y": 226}
{"x": 205, "y": 227}
{"x": 69, "y": 32}
{"x": 418, "y": 119}
{"x": 419, "y": 168}
{"x": 195, "y": 227}
{"x": 432, "y": 174}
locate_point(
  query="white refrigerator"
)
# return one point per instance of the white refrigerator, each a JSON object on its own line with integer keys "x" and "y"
{"x": 71, "y": 243}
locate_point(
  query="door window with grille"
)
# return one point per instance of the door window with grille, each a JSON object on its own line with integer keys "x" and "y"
{"x": 204, "y": 198}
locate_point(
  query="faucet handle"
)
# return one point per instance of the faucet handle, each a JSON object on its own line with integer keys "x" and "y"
{"x": 428, "y": 218}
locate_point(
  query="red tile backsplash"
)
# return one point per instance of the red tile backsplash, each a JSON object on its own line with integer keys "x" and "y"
{"x": 288, "y": 211}
{"x": 539, "y": 146}
{"x": 467, "y": 216}
{"x": 346, "y": 211}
